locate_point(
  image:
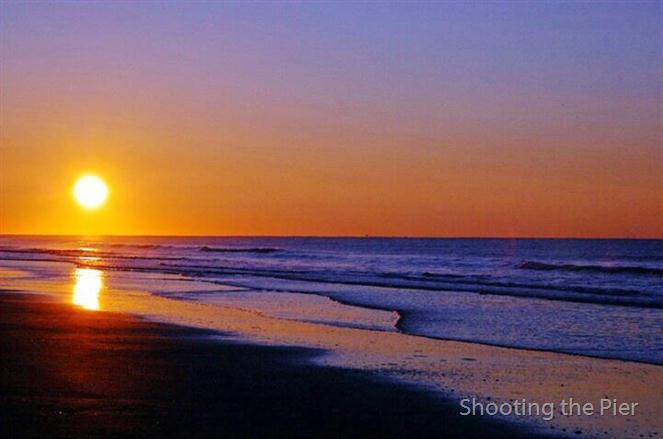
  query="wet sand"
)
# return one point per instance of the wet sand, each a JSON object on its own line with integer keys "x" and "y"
{"x": 69, "y": 372}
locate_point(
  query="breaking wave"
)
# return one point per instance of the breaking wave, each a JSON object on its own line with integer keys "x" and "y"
{"x": 238, "y": 250}
{"x": 609, "y": 269}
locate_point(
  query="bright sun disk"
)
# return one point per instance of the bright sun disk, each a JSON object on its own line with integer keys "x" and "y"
{"x": 90, "y": 191}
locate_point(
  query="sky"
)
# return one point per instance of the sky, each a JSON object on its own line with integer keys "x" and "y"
{"x": 522, "y": 119}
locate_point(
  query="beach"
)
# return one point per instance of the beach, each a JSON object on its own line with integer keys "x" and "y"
{"x": 127, "y": 359}
{"x": 68, "y": 372}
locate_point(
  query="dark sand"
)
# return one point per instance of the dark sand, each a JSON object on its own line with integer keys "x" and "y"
{"x": 67, "y": 372}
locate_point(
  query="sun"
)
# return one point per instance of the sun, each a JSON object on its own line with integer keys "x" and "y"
{"x": 90, "y": 191}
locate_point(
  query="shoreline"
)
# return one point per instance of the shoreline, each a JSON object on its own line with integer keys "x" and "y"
{"x": 402, "y": 314}
{"x": 72, "y": 372}
{"x": 452, "y": 370}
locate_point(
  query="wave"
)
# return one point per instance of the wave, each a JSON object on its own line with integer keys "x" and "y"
{"x": 138, "y": 246}
{"x": 59, "y": 252}
{"x": 68, "y": 254}
{"x": 602, "y": 296}
{"x": 642, "y": 258}
{"x": 83, "y": 252}
{"x": 628, "y": 269}
{"x": 205, "y": 266}
{"x": 442, "y": 275}
{"x": 480, "y": 280}
{"x": 238, "y": 249}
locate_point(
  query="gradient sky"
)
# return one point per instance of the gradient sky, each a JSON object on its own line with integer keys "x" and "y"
{"x": 411, "y": 119}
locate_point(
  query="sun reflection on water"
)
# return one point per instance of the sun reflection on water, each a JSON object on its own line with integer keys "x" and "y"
{"x": 87, "y": 287}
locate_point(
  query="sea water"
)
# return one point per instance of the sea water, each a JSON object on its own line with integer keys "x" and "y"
{"x": 600, "y": 298}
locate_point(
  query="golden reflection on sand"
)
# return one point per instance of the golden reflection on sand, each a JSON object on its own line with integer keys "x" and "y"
{"x": 88, "y": 284}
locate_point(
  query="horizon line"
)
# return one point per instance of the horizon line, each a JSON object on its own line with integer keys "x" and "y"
{"x": 43, "y": 235}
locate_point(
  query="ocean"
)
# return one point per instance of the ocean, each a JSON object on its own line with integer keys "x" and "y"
{"x": 600, "y": 298}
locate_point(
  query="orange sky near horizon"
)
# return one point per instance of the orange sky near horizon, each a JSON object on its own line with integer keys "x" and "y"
{"x": 265, "y": 138}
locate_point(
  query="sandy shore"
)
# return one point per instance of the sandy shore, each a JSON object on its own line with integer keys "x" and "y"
{"x": 452, "y": 371}
{"x": 68, "y": 372}
{"x": 456, "y": 369}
